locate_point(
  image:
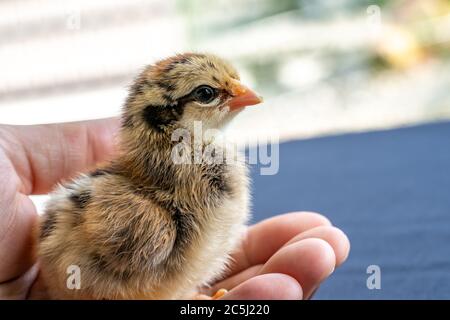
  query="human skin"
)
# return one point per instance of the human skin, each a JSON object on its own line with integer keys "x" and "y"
{"x": 284, "y": 257}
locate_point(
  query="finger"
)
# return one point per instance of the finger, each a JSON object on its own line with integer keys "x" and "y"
{"x": 17, "y": 289}
{"x": 334, "y": 236}
{"x": 265, "y": 238}
{"x": 38, "y": 290}
{"x": 233, "y": 281}
{"x": 16, "y": 236}
{"x": 44, "y": 154}
{"x": 308, "y": 261}
{"x": 266, "y": 287}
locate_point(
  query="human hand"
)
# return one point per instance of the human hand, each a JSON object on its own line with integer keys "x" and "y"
{"x": 285, "y": 257}
{"x": 32, "y": 160}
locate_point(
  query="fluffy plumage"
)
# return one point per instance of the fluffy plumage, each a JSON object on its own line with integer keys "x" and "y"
{"x": 142, "y": 226}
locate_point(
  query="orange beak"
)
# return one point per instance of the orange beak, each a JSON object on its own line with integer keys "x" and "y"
{"x": 242, "y": 97}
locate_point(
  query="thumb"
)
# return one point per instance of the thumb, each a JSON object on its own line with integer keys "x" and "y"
{"x": 42, "y": 155}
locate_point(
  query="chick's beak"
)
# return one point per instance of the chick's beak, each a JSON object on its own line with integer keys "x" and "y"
{"x": 242, "y": 97}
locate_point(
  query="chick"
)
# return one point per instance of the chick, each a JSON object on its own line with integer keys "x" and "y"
{"x": 144, "y": 226}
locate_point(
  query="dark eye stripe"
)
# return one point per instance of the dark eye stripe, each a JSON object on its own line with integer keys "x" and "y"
{"x": 158, "y": 117}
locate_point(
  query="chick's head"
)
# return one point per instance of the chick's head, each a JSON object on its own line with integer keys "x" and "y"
{"x": 177, "y": 91}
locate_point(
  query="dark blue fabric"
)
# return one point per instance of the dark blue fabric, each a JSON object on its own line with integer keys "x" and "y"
{"x": 388, "y": 190}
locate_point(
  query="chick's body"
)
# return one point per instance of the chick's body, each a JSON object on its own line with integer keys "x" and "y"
{"x": 145, "y": 226}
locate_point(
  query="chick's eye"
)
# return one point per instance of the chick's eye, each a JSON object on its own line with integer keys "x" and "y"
{"x": 205, "y": 94}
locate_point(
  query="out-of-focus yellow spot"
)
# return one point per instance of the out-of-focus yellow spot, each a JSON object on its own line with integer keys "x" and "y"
{"x": 400, "y": 48}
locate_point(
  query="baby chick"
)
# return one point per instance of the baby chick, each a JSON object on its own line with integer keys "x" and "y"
{"x": 145, "y": 226}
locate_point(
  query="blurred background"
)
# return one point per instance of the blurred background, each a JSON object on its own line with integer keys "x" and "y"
{"x": 341, "y": 79}
{"x": 323, "y": 66}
